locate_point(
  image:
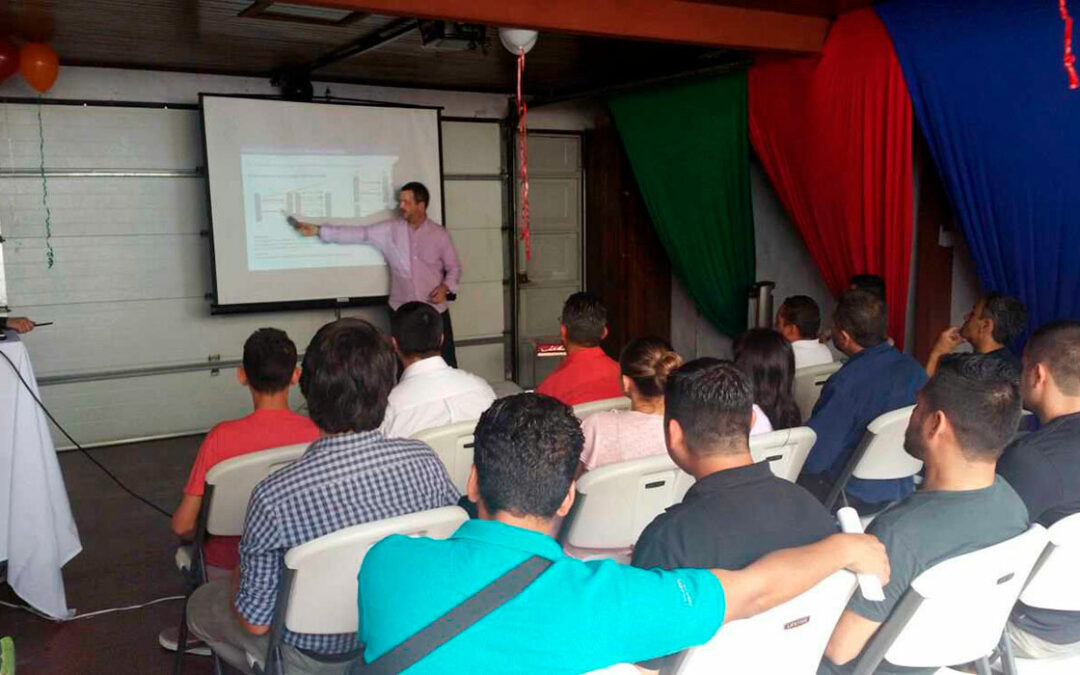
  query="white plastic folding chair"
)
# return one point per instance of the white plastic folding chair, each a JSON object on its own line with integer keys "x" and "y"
{"x": 615, "y": 502}
{"x": 453, "y": 444}
{"x": 789, "y": 638}
{"x": 1054, "y": 585}
{"x": 808, "y": 384}
{"x": 880, "y": 455}
{"x": 228, "y": 488}
{"x": 583, "y": 410}
{"x": 318, "y": 588}
{"x": 955, "y": 611}
{"x": 784, "y": 450}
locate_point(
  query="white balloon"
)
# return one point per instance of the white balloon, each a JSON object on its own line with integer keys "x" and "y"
{"x": 517, "y": 38}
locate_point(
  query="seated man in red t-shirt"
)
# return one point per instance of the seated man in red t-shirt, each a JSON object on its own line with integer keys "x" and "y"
{"x": 587, "y": 373}
{"x": 269, "y": 371}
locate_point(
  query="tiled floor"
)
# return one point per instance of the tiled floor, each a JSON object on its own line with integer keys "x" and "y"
{"x": 127, "y": 559}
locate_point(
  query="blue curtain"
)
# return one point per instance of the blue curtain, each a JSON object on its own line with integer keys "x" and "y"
{"x": 990, "y": 91}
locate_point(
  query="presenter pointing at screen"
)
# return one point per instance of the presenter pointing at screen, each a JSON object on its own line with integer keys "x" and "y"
{"x": 423, "y": 264}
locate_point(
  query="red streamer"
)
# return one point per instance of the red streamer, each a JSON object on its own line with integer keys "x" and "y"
{"x": 523, "y": 155}
{"x": 1070, "y": 58}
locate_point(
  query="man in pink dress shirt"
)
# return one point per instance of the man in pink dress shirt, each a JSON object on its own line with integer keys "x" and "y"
{"x": 423, "y": 264}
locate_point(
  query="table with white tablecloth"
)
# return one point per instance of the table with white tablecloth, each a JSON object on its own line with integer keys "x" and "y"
{"x": 37, "y": 533}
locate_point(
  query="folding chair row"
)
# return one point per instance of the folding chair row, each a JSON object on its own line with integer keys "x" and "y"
{"x": 453, "y": 443}
{"x": 954, "y": 612}
{"x": 615, "y": 502}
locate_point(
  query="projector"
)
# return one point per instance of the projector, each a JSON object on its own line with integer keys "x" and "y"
{"x": 452, "y": 36}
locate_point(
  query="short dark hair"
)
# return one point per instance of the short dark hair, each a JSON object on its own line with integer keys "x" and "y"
{"x": 713, "y": 402}
{"x": 585, "y": 317}
{"x": 1057, "y": 346}
{"x": 349, "y": 369}
{"x": 768, "y": 361}
{"x": 981, "y": 399}
{"x": 1008, "y": 315}
{"x": 870, "y": 283}
{"x": 269, "y": 360}
{"x": 526, "y": 452}
{"x": 419, "y": 192}
{"x": 418, "y": 329}
{"x": 862, "y": 316}
{"x": 802, "y": 312}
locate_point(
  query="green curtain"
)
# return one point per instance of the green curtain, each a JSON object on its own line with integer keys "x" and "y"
{"x": 688, "y": 147}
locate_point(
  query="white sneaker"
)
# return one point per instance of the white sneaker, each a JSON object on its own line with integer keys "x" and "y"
{"x": 170, "y": 637}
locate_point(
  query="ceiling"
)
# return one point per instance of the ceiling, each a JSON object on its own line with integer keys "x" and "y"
{"x": 211, "y": 36}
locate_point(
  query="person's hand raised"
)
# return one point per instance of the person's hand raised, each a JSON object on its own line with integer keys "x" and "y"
{"x": 948, "y": 340}
{"x": 305, "y": 229}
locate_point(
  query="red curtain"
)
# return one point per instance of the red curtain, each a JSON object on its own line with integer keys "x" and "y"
{"x": 834, "y": 134}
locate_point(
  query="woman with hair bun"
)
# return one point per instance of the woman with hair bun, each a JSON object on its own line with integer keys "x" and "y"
{"x": 619, "y": 435}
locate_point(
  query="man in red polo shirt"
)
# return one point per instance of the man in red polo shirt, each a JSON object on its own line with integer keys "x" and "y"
{"x": 269, "y": 371}
{"x": 587, "y": 373}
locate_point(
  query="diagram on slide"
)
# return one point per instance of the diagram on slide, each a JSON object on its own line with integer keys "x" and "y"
{"x": 350, "y": 189}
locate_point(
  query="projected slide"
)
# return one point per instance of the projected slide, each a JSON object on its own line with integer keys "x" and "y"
{"x": 358, "y": 188}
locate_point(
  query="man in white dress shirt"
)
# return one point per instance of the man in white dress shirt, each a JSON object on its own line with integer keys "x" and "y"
{"x": 799, "y": 320}
{"x": 430, "y": 393}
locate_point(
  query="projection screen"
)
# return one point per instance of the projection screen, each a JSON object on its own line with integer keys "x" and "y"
{"x": 320, "y": 162}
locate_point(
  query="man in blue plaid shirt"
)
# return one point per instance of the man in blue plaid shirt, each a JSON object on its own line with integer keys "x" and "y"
{"x": 352, "y": 475}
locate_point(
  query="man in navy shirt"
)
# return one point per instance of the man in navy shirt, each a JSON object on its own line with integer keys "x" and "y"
{"x": 875, "y": 380}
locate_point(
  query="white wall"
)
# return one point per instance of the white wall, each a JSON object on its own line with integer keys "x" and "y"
{"x": 137, "y": 323}
{"x": 114, "y": 84}
{"x": 782, "y": 257}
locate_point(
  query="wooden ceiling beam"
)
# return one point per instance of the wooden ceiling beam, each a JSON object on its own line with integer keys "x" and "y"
{"x": 661, "y": 20}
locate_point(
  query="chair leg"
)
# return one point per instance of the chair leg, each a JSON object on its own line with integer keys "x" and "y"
{"x": 1008, "y": 659}
{"x": 982, "y": 666}
{"x": 181, "y": 642}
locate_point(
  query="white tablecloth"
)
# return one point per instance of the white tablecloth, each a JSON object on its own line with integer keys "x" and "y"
{"x": 37, "y": 532}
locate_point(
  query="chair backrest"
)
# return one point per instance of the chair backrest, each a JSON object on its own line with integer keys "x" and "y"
{"x": 583, "y": 410}
{"x": 955, "y": 611}
{"x": 615, "y": 502}
{"x": 322, "y": 595}
{"x": 1053, "y": 584}
{"x": 789, "y": 638}
{"x": 232, "y": 481}
{"x": 784, "y": 450}
{"x": 883, "y": 454}
{"x": 453, "y": 444}
{"x": 808, "y": 384}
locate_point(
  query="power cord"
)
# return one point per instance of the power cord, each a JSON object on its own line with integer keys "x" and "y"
{"x": 90, "y": 615}
{"x": 81, "y": 449}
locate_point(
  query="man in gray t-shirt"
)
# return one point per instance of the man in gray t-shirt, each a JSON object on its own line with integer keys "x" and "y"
{"x": 964, "y": 417}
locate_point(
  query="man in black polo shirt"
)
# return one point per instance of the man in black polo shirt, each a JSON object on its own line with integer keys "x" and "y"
{"x": 737, "y": 511}
{"x": 1044, "y": 469}
{"x": 994, "y": 322}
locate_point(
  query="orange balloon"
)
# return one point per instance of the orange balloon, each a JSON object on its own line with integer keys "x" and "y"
{"x": 39, "y": 65}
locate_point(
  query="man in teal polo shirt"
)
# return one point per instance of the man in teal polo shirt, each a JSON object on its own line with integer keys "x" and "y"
{"x": 576, "y": 616}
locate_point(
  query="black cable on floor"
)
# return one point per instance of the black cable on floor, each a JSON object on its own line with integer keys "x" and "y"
{"x": 81, "y": 449}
